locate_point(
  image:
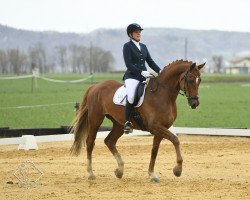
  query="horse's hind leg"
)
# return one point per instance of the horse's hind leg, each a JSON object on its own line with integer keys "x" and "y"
{"x": 90, "y": 143}
{"x": 110, "y": 141}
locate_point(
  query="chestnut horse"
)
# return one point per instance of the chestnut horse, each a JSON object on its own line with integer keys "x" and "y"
{"x": 158, "y": 112}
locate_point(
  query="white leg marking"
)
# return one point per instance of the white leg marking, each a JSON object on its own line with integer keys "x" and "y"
{"x": 119, "y": 162}
{"x": 89, "y": 169}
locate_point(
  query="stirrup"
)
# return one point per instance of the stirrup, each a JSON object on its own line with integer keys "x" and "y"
{"x": 127, "y": 127}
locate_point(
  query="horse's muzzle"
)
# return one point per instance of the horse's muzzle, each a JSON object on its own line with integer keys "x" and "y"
{"x": 193, "y": 102}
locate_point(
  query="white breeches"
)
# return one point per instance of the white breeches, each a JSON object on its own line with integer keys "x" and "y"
{"x": 131, "y": 85}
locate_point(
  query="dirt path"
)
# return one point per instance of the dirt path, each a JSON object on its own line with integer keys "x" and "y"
{"x": 214, "y": 168}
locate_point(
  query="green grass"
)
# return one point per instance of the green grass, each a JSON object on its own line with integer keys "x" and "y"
{"x": 224, "y": 104}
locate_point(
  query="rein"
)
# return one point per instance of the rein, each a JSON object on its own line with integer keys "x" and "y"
{"x": 186, "y": 91}
{"x": 154, "y": 78}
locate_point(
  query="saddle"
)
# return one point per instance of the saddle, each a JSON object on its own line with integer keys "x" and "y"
{"x": 120, "y": 95}
{"x": 120, "y": 99}
{"x": 139, "y": 92}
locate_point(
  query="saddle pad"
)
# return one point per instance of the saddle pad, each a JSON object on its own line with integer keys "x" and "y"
{"x": 120, "y": 97}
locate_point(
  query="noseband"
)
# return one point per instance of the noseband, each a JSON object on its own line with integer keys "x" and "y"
{"x": 186, "y": 88}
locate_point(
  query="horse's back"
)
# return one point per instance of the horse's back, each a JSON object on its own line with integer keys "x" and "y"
{"x": 107, "y": 86}
{"x": 103, "y": 91}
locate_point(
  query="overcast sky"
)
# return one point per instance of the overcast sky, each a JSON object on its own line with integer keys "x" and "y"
{"x": 83, "y": 16}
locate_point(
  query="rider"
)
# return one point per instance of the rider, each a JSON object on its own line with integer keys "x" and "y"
{"x": 135, "y": 54}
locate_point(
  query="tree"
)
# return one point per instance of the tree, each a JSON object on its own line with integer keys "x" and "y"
{"x": 3, "y": 62}
{"x": 62, "y": 57}
{"x": 73, "y": 57}
{"x": 37, "y": 55}
{"x": 107, "y": 61}
{"x": 218, "y": 61}
{"x": 102, "y": 61}
{"x": 17, "y": 61}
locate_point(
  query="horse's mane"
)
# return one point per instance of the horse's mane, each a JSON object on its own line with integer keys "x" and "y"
{"x": 176, "y": 62}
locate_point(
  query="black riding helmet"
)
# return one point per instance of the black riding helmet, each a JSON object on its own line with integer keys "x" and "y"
{"x": 133, "y": 27}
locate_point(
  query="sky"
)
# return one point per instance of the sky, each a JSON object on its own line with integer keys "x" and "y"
{"x": 84, "y": 16}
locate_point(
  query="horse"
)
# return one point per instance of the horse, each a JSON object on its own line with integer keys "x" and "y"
{"x": 158, "y": 113}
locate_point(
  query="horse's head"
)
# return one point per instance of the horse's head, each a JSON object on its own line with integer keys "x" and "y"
{"x": 189, "y": 84}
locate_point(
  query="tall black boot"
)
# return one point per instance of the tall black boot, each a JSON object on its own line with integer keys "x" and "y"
{"x": 128, "y": 124}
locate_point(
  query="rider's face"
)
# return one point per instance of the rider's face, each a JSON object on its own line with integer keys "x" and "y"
{"x": 136, "y": 35}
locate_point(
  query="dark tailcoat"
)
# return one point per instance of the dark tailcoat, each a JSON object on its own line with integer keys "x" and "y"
{"x": 135, "y": 61}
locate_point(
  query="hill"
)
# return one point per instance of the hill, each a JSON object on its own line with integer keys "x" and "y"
{"x": 164, "y": 44}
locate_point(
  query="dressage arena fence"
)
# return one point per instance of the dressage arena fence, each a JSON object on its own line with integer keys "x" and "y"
{"x": 29, "y": 141}
{"x": 7, "y": 132}
{"x": 35, "y": 75}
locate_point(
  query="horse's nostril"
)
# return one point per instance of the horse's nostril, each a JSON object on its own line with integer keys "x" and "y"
{"x": 194, "y": 104}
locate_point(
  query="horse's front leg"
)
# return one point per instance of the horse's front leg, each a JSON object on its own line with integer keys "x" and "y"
{"x": 156, "y": 143}
{"x": 165, "y": 133}
{"x": 174, "y": 139}
{"x": 178, "y": 168}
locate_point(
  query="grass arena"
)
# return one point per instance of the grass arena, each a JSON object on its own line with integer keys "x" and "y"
{"x": 214, "y": 167}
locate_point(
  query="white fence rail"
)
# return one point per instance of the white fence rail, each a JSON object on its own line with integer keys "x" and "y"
{"x": 177, "y": 130}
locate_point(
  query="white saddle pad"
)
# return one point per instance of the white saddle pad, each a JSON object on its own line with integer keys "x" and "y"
{"x": 120, "y": 97}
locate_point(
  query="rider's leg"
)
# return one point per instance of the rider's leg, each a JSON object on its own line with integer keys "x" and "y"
{"x": 131, "y": 85}
{"x": 128, "y": 110}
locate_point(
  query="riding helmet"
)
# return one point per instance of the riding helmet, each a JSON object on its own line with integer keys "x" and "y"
{"x": 133, "y": 27}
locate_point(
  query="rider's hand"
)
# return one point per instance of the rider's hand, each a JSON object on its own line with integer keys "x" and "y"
{"x": 146, "y": 74}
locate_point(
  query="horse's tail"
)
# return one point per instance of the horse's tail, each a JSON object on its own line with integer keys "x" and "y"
{"x": 80, "y": 127}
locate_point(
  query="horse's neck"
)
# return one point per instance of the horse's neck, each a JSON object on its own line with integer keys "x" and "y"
{"x": 171, "y": 76}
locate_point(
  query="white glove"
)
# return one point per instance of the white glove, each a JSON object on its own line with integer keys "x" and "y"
{"x": 146, "y": 74}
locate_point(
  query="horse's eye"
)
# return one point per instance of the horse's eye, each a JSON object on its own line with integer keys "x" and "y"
{"x": 191, "y": 81}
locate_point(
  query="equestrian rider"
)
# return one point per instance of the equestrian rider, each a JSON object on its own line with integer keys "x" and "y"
{"x": 135, "y": 54}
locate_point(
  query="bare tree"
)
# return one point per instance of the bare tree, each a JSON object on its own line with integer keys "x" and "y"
{"x": 3, "y": 62}
{"x": 218, "y": 61}
{"x": 17, "y": 60}
{"x": 84, "y": 58}
{"x": 38, "y": 56}
{"x": 73, "y": 57}
{"x": 102, "y": 61}
{"x": 107, "y": 61}
{"x": 62, "y": 57}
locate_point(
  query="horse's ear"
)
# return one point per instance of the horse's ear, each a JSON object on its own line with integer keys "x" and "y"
{"x": 201, "y": 66}
{"x": 192, "y": 66}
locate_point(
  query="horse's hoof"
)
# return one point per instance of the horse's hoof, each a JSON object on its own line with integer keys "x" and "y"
{"x": 155, "y": 180}
{"x": 91, "y": 177}
{"x": 177, "y": 171}
{"x": 118, "y": 173}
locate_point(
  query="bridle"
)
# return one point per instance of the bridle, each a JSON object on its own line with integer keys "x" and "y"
{"x": 186, "y": 87}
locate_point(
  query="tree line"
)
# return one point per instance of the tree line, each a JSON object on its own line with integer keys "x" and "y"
{"x": 62, "y": 59}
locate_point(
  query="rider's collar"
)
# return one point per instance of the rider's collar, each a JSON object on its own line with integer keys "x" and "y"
{"x": 136, "y": 44}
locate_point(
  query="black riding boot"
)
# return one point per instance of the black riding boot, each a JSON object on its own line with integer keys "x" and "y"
{"x": 127, "y": 125}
